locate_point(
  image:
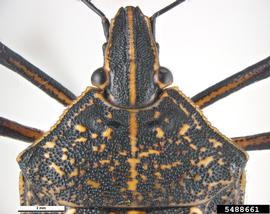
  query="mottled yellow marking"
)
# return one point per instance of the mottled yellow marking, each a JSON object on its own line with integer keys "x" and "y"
{"x": 74, "y": 173}
{"x": 99, "y": 121}
{"x": 132, "y": 184}
{"x": 47, "y": 155}
{"x": 132, "y": 67}
{"x": 160, "y": 132}
{"x": 156, "y": 114}
{"x": 184, "y": 109}
{"x": 123, "y": 153}
{"x": 71, "y": 211}
{"x": 221, "y": 162}
{"x": 177, "y": 142}
{"x": 107, "y": 133}
{"x": 82, "y": 172}
{"x": 109, "y": 115}
{"x": 57, "y": 169}
{"x": 72, "y": 161}
{"x": 145, "y": 166}
{"x": 194, "y": 147}
{"x": 167, "y": 120}
{"x": 195, "y": 210}
{"x": 169, "y": 166}
{"x": 193, "y": 163}
{"x": 215, "y": 142}
{"x": 81, "y": 140}
{"x": 80, "y": 128}
{"x": 64, "y": 149}
{"x": 183, "y": 130}
{"x": 204, "y": 162}
{"x": 102, "y": 147}
{"x": 203, "y": 149}
{"x": 143, "y": 177}
{"x": 94, "y": 135}
{"x": 64, "y": 157}
{"x": 198, "y": 126}
{"x": 187, "y": 138}
{"x": 158, "y": 175}
{"x": 149, "y": 152}
{"x": 93, "y": 184}
{"x": 49, "y": 145}
{"x": 104, "y": 162}
{"x": 197, "y": 178}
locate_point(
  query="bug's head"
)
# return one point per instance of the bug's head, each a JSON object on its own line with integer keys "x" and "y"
{"x": 131, "y": 76}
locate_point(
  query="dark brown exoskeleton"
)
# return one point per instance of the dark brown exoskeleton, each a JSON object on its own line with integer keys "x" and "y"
{"x": 131, "y": 144}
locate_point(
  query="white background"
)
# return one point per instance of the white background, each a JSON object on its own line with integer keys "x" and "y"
{"x": 201, "y": 41}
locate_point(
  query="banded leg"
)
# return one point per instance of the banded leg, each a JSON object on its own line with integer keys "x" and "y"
{"x": 252, "y": 74}
{"x": 18, "y": 64}
{"x": 17, "y": 131}
{"x": 254, "y": 142}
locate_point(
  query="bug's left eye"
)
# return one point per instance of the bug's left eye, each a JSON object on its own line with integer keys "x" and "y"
{"x": 164, "y": 77}
{"x": 99, "y": 77}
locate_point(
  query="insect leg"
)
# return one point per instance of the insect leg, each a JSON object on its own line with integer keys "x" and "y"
{"x": 15, "y": 62}
{"x": 15, "y": 130}
{"x": 252, "y": 74}
{"x": 254, "y": 142}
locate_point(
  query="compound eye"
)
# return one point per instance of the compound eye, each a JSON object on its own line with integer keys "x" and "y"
{"x": 164, "y": 77}
{"x": 98, "y": 78}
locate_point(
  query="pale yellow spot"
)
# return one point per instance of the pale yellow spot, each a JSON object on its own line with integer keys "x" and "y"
{"x": 149, "y": 152}
{"x": 215, "y": 143}
{"x": 102, "y": 147}
{"x": 74, "y": 173}
{"x": 109, "y": 115}
{"x": 71, "y": 211}
{"x": 64, "y": 149}
{"x": 134, "y": 212}
{"x": 157, "y": 115}
{"x": 80, "y": 128}
{"x": 210, "y": 172}
{"x": 203, "y": 149}
{"x": 64, "y": 157}
{"x": 94, "y": 135}
{"x": 195, "y": 210}
{"x": 194, "y": 147}
{"x": 72, "y": 161}
{"x": 46, "y": 155}
{"x": 169, "y": 166}
{"x": 94, "y": 148}
{"x": 158, "y": 174}
{"x": 204, "y": 162}
{"x": 143, "y": 177}
{"x": 107, "y": 133}
{"x": 93, "y": 184}
{"x": 82, "y": 172}
{"x": 198, "y": 126}
{"x": 99, "y": 121}
{"x": 197, "y": 177}
{"x": 81, "y": 140}
{"x": 183, "y": 129}
{"x": 49, "y": 145}
{"x": 104, "y": 162}
{"x": 221, "y": 162}
{"x": 160, "y": 133}
{"x": 187, "y": 138}
{"x": 123, "y": 153}
{"x": 57, "y": 169}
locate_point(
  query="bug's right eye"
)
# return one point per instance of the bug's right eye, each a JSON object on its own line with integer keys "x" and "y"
{"x": 99, "y": 77}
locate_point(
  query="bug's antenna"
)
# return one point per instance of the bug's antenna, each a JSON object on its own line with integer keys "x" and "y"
{"x": 105, "y": 21}
{"x": 163, "y": 10}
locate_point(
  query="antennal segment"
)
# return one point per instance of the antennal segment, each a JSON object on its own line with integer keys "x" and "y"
{"x": 105, "y": 21}
{"x": 160, "y": 12}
